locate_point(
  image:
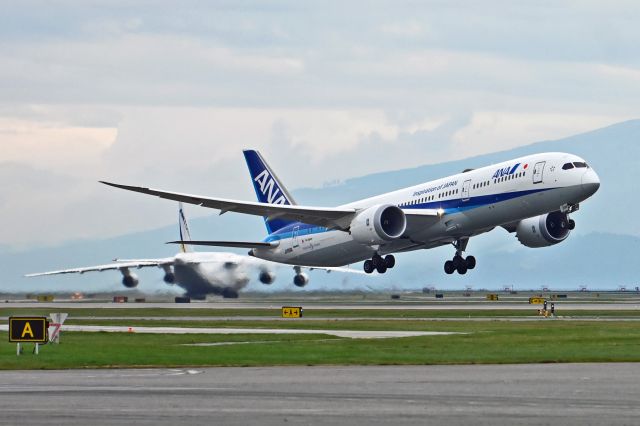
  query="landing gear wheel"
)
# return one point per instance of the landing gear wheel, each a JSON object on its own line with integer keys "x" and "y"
{"x": 462, "y": 269}
{"x": 368, "y": 266}
{"x": 471, "y": 262}
{"x": 449, "y": 268}
{"x": 377, "y": 260}
{"x": 381, "y": 268}
{"x": 458, "y": 261}
{"x": 389, "y": 261}
{"x": 572, "y": 224}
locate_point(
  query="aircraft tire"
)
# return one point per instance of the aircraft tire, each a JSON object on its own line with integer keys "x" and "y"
{"x": 449, "y": 268}
{"x": 572, "y": 224}
{"x": 471, "y": 262}
{"x": 389, "y": 261}
{"x": 381, "y": 268}
{"x": 368, "y": 266}
{"x": 462, "y": 269}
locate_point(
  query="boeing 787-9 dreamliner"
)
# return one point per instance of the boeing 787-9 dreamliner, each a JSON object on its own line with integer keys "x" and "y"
{"x": 531, "y": 196}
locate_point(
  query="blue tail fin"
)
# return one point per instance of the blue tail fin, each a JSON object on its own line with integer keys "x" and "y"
{"x": 268, "y": 187}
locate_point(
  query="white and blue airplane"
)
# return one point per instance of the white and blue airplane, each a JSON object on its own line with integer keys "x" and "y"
{"x": 531, "y": 196}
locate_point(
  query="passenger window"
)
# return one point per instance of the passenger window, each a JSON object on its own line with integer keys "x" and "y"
{"x": 567, "y": 166}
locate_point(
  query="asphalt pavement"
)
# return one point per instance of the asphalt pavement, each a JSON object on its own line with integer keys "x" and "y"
{"x": 548, "y": 394}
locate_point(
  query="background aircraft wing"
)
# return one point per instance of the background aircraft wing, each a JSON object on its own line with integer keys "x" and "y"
{"x": 334, "y": 218}
{"x": 141, "y": 263}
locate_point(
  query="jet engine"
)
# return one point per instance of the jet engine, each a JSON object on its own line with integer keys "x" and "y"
{"x": 267, "y": 277}
{"x": 544, "y": 230}
{"x": 300, "y": 280}
{"x": 130, "y": 280}
{"x": 378, "y": 224}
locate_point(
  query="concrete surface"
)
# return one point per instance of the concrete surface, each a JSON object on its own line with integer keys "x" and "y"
{"x": 549, "y": 394}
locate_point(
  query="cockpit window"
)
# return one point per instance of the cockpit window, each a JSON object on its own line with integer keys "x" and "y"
{"x": 580, "y": 164}
{"x": 567, "y": 166}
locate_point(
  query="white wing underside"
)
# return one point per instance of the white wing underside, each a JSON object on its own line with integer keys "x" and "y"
{"x": 333, "y": 218}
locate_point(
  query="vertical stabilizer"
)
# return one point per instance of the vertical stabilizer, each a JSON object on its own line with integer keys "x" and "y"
{"x": 185, "y": 235}
{"x": 269, "y": 189}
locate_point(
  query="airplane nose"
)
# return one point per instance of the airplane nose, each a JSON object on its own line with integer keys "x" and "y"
{"x": 590, "y": 182}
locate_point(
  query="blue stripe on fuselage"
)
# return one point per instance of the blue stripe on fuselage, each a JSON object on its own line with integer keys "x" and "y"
{"x": 449, "y": 207}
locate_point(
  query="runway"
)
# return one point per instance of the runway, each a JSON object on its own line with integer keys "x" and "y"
{"x": 353, "y": 334}
{"x": 632, "y": 304}
{"x": 553, "y": 394}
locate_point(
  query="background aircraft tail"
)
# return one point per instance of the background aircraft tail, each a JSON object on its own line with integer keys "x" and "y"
{"x": 269, "y": 189}
{"x": 185, "y": 235}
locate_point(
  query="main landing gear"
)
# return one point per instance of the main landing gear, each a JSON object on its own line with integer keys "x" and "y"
{"x": 379, "y": 263}
{"x": 459, "y": 263}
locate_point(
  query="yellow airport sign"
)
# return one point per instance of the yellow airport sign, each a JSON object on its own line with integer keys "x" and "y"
{"x": 45, "y": 298}
{"x": 536, "y": 300}
{"x": 28, "y": 329}
{"x": 291, "y": 312}
{"x": 492, "y": 297}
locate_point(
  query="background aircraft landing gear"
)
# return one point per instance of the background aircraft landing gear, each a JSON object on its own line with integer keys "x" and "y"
{"x": 459, "y": 263}
{"x": 379, "y": 263}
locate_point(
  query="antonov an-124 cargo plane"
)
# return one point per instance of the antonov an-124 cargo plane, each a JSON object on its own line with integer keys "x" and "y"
{"x": 199, "y": 273}
{"x": 531, "y": 196}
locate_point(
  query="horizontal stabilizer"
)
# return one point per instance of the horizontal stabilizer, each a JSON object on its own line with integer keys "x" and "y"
{"x": 237, "y": 244}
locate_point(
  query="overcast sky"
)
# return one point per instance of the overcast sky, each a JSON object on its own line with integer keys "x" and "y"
{"x": 166, "y": 94}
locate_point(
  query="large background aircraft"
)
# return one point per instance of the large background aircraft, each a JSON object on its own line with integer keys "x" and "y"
{"x": 531, "y": 196}
{"x": 198, "y": 273}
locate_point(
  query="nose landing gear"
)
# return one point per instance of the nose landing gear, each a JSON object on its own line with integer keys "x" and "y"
{"x": 459, "y": 263}
{"x": 379, "y": 263}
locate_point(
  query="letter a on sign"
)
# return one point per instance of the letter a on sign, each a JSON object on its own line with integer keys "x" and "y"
{"x": 27, "y": 330}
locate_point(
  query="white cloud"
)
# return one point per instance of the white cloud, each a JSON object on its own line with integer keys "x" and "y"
{"x": 156, "y": 94}
{"x": 53, "y": 145}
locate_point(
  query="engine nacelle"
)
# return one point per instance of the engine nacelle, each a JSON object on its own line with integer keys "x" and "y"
{"x": 544, "y": 230}
{"x": 379, "y": 224}
{"x": 300, "y": 280}
{"x": 130, "y": 280}
{"x": 267, "y": 277}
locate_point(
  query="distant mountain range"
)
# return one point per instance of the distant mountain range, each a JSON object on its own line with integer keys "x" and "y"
{"x": 600, "y": 253}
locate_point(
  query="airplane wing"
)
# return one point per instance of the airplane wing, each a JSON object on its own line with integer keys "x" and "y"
{"x": 141, "y": 263}
{"x": 334, "y": 218}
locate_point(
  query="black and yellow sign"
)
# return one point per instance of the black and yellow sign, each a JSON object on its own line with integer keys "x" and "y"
{"x": 291, "y": 312}
{"x": 536, "y": 300}
{"x": 492, "y": 297}
{"x": 28, "y": 329}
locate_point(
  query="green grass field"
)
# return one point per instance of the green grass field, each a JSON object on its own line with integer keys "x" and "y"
{"x": 486, "y": 342}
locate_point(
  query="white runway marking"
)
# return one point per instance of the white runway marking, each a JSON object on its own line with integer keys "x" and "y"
{"x": 353, "y": 334}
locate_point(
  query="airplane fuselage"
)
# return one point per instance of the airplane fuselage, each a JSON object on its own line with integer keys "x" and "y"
{"x": 469, "y": 203}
